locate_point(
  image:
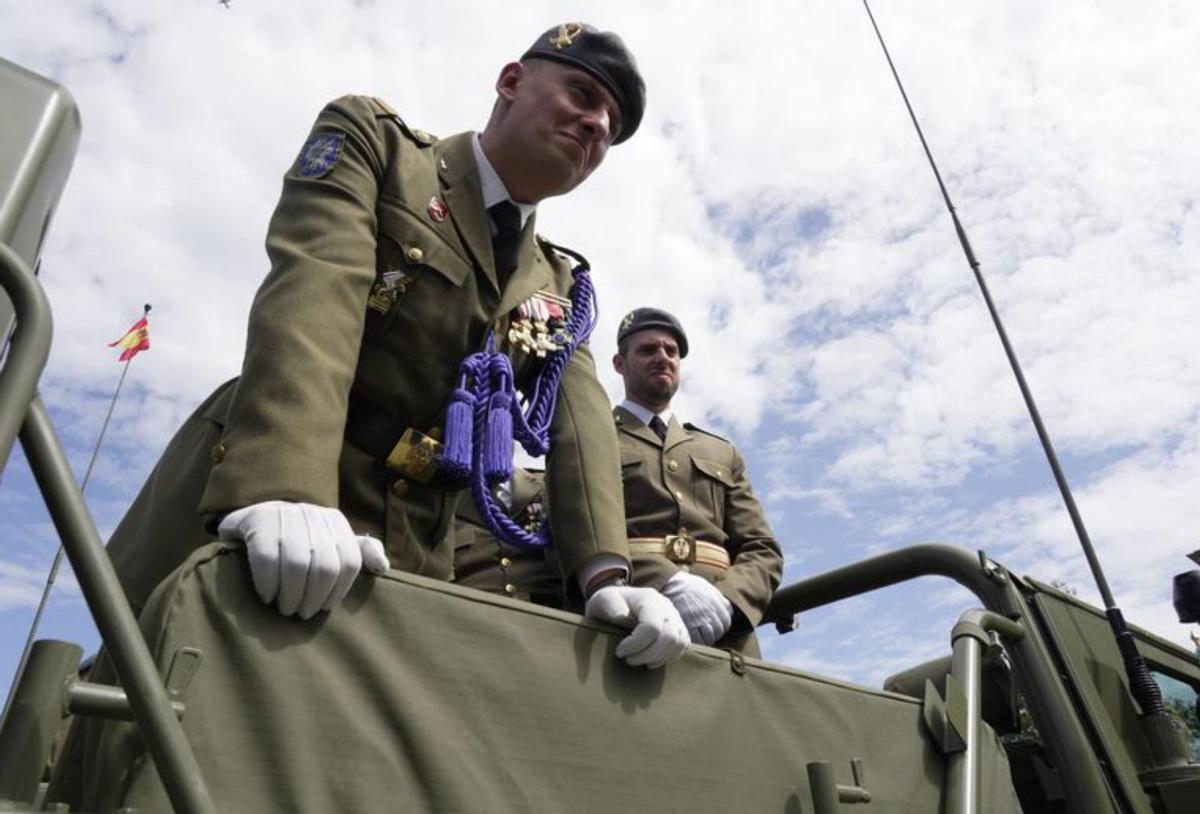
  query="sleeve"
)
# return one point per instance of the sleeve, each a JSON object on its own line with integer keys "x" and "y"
{"x": 583, "y": 471}
{"x": 757, "y": 561}
{"x": 284, "y": 432}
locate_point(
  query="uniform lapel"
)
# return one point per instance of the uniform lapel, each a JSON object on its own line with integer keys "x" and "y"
{"x": 627, "y": 422}
{"x": 464, "y": 198}
{"x": 676, "y": 434}
{"x": 531, "y": 274}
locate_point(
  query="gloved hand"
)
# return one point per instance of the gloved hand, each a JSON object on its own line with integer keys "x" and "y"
{"x": 303, "y": 557}
{"x": 705, "y": 610}
{"x": 658, "y": 636}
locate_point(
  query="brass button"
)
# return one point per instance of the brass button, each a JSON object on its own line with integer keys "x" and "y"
{"x": 510, "y": 589}
{"x": 505, "y": 562}
{"x": 217, "y": 453}
{"x": 415, "y": 254}
{"x": 678, "y": 495}
{"x": 720, "y": 474}
{"x": 400, "y": 487}
{"x": 422, "y": 135}
{"x": 672, "y": 465}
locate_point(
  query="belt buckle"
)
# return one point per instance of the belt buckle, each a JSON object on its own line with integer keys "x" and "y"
{"x": 415, "y": 455}
{"x": 681, "y": 548}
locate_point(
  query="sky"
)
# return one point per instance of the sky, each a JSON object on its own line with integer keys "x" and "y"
{"x": 775, "y": 198}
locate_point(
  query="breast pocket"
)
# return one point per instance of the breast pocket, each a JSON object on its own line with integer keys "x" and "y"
{"x": 419, "y": 279}
{"x": 712, "y": 479}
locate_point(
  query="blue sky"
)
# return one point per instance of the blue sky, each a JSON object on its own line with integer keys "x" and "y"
{"x": 775, "y": 198}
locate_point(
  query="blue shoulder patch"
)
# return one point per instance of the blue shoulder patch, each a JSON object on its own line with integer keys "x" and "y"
{"x": 319, "y": 155}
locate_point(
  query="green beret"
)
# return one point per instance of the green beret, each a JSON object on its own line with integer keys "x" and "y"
{"x": 604, "y": 56}
{"x": 641, "y": 318}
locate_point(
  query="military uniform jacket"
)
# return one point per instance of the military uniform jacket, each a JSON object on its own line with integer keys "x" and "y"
{"x": 382, "y": 279}
{"x": 482, "y": 562}
{"x": 697, "y": 481}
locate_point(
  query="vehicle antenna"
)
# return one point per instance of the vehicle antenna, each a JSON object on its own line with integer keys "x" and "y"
{"x": 1145, "y": 689}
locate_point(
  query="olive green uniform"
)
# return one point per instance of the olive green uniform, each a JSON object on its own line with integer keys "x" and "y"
{"x": 486, "y": 564}
{"x": 696, "y": 481}
{"x": 330, "y": 336}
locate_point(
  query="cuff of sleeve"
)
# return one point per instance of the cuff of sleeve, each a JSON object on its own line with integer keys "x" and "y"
{"x": 599, "y": 564}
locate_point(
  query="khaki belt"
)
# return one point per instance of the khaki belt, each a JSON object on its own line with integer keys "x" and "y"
{"x": 681, "y": 548}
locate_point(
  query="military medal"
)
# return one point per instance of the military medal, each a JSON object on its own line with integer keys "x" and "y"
{"x": 387, "y": 290}
{"x": 538, "y": 324}
{"x": 437, "y": 209}
{"x": 534, "y": 515}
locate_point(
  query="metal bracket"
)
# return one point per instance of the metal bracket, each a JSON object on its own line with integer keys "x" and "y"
{"x": 945, "y": 720}
{"x": 993, "y": 571}
{"x": 737, "y": 663}
{"x": 827, "y": 793}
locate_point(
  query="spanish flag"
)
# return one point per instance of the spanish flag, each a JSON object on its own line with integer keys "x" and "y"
{"x": 135, "y": 340}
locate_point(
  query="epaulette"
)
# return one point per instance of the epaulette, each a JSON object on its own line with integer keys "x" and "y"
{"x": 552, "y": 248}
{"x": 690, "y": 426}
{"x": 418, "y": 137}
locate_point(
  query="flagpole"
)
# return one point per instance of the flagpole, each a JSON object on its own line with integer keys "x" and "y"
{"x": 58, "y": 554}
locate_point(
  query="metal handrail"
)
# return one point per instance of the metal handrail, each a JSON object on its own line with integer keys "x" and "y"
{"x": 172, "y": 755}
{"x": 1049, "y": 701}
{"x": 28, "y": 350}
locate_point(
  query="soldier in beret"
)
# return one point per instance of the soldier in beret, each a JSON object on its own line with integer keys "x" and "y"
{"x": 696, "y": 531}
{"x": 483, "y": 562}
{"x": 394, "y": 255}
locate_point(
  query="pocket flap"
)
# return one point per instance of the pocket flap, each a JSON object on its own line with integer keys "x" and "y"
{"x": 420, "y": 244}
{"x": 714, "y": 469}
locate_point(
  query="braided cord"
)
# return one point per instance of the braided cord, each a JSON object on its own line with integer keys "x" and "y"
{"x": 488, "y": 376}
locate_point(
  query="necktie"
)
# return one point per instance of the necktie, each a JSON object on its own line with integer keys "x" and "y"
{"x": 507, "y": 239}
{"x": 660, "y": 429}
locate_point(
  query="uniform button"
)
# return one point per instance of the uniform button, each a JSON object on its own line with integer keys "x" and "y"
{"x": 217, "y": 453}
{"x": 510, "y": 589}
{"x": 678, "y": 495}
{"x": 505, "y": 562}
{"x": 672, "y": 465}
{"x": 415, "y": 254}
{"x": 400, "y": 487}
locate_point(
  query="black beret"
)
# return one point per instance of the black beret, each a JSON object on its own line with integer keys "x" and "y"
{"x": 604, "y": 56}
{"x": 641, "y": 318}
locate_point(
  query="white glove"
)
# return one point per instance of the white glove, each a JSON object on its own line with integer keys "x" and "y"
{"x": 705, "y": 610}
{"x": 658, "y": 636}
{"x": 303, "y": 557}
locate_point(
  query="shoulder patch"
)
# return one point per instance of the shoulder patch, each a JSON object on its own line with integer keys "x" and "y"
{"x": 687, "y": 425}
{"x": 320, "y": 154}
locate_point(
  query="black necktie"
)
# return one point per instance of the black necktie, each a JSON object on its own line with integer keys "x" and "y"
{"x": 660, "y": 429}
{"x": 507, "y": 239}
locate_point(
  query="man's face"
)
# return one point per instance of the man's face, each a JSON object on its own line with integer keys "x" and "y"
{"x": 650, "y": 367}
{"x": 561, "y": 122}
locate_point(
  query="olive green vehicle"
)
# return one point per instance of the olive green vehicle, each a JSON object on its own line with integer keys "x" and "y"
{"x": 418, "y": 695}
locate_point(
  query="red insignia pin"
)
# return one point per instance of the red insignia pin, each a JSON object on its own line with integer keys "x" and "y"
{"x": 437, "y": 209}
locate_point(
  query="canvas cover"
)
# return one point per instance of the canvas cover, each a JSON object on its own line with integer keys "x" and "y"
{"x": 422, "y": 696}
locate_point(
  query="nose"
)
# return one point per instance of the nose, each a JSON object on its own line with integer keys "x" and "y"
{"x": 597, "y": 124}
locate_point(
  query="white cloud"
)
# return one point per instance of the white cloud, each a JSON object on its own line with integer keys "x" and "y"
{"x": 775, "y": 199}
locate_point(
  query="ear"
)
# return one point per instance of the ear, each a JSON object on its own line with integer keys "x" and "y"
{"x": 618, "y": 364}
{"x": 510, "y": 76}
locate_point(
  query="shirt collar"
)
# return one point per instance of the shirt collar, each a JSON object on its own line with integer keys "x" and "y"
{"x": 644, "y": 415}
{"x": 494, "y": 190}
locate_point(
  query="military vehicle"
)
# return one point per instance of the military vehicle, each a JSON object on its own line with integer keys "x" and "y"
{"x": 421, "y": 695}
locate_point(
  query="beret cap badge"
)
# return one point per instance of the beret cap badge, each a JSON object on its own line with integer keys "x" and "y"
{"x": 567, "y": 32}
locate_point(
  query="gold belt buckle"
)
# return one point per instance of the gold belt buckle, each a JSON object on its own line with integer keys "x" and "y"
{"x": 415, "y": 455}
{"x": 681, "y": 548}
